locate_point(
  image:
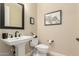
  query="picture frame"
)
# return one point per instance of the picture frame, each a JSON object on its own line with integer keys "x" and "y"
{"x": 32, "y": 20}
{"x": 53, "y": 18}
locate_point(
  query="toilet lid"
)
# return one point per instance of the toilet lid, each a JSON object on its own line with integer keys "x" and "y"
{"x": 42, "y": 46}
{"x": 34, "y": 42}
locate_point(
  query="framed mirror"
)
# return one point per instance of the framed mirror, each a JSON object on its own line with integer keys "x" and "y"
{"x": 11, "y": 16}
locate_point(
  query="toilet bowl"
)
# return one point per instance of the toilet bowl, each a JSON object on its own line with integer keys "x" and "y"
{"x": 41, "y": 49}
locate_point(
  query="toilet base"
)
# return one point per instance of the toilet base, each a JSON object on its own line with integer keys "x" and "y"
{"x": 39, "y": 54}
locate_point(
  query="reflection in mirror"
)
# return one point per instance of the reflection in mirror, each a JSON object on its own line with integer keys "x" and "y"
{"x": 13, "y": 15}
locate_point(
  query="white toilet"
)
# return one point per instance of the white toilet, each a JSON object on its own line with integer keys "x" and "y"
{"x": 39, "y": 49}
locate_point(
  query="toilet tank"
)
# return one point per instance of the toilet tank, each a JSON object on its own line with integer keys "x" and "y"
{"x": 34, "y": 42}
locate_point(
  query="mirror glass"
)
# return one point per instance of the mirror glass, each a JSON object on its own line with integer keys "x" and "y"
{"x": 13, "y": 15}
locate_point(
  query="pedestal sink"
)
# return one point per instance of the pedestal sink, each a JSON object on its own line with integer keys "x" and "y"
{"x": 19, "y": 43}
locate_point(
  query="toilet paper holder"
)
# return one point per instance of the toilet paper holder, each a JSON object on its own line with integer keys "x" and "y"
{"x": 50, "y": 41}
{"x": 77, "y": 39}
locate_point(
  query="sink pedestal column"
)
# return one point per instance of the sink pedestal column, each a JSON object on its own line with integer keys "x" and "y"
{"x": 20, "y": 49}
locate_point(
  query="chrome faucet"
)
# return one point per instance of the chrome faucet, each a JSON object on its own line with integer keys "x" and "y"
{"x": 16, "y": 34}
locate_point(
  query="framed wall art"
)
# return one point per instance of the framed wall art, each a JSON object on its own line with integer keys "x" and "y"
{"x": 32, "y": 20}
{"x": 53, "y": 18}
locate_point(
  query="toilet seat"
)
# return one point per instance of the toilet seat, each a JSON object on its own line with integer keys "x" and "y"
{"x": 42, "y": 46}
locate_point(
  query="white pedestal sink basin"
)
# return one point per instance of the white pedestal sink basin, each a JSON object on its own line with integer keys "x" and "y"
{"x": 19, "y": 43}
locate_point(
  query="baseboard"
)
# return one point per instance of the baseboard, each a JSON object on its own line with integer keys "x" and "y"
{"x": 4, "y": 54}
{"x": 55, "y": 54}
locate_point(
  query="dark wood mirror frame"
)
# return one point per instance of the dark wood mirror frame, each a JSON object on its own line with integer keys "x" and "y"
{"x": 2, "y": 18}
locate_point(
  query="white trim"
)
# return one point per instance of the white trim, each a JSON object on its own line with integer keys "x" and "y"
{"x": 4, "y": 54}
{"x": 56, "y": 54}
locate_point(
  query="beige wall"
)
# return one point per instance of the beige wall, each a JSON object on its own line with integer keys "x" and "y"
{"x": 76, "y": 30}
{"x": 27, "y": 31}
{"x": 33, "y": 13}
{"x": 64, "y": 35}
